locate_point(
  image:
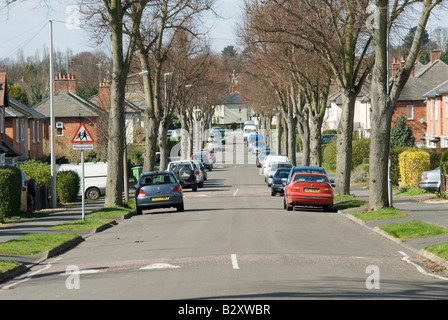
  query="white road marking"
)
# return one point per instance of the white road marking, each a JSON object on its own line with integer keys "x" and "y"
{"x": 234, "y": 262}
{"x": 48, "y": 266}
{"x": 81, "y": 272}
{"x": 420, "y": 269}
{"x": 160, "y": 266}
{"x": 236, "y": 192}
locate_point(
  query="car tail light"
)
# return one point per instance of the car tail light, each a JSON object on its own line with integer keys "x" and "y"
{"x": 426, "y": 176}
{"x": 177, "y": 189}
{"x": 196, "y": 173}
{"x": 140, "y": 192}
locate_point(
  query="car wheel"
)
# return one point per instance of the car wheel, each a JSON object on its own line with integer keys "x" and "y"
{"x": 289, "y": 207}
{"x": 93, "y": 194}
{"x": 195, "y": 187}
{"x": 273, "y": 193}
{"x": 180, "y": 207}
{"x": 329, "y": 208}
{"x": 139, "y": 211}
{"x": 284, "y": 203}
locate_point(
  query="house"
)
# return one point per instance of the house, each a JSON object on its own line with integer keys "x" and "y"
{"x": 24, "y": 130}
{"x": 411, "y": 103}
{"x": 70, "y": 110}
{"x": 8, "y": 156}
{"x": 437, "y": 115}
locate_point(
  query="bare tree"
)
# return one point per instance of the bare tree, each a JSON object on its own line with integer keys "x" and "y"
{"x": 385, "y": 93}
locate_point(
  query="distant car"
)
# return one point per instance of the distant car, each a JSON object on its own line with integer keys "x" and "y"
{"x": 254, "y": 139}
{"x": 327, "y": 138}
{"x": 262, "y": 154}
{"x": 277, "y": 185}
{"x": 158, "y": 190}
{"x": 185, "y": 171}
{"x": 274, "y": 168}
{"x": 309, "y": 189}
{"x": 431, "y": 180}
{"x": 205, "y": 158}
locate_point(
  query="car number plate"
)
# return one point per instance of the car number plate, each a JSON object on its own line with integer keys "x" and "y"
{"x": 315, "y": 190}
{"x": 160, "y": 199}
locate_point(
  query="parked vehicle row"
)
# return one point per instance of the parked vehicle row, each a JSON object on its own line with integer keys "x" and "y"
{"x": 299, "y": 185}
{"x": 164, "y": 189}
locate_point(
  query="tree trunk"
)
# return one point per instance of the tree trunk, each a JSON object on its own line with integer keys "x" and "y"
{"x": 344, "y": 143}
{"x": 163, "y": 143}
{"x": 114, "y": 187}
{"x": 316, "y": 141}
{"x": 292, "y": 139}
{"x": 304, "y": 132}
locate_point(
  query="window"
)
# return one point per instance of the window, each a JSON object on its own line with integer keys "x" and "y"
{"x": 38, "y": 131}
{"x": 34, "y": 131}
{"x": 410, "y": 112}
{"x": 59, "y": 129}
{"x": 17, "y": 131}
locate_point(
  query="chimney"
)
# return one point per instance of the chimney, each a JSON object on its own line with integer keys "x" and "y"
{"x": 396, "y": 65}
{"x": 104, "y": 95}
{"x": 435, "y": 55}
{"x": 67, "y": 83}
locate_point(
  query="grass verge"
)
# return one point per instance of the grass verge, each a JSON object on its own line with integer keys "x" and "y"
{"x": 439, "y": 249}
{"x": 382, "y": 214}
{"x": 78, "y": 225}
{"x": 6, "y": 265}
{"x": 113, "y": 211}
{"x": 411, "y": 192}
{"x": 33, "y": 243}
{"x": 414, "y": 228}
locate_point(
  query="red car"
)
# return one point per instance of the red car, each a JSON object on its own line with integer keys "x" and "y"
{"x": 309, "y": 189}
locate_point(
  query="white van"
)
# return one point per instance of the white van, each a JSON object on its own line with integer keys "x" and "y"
{"x": 248, "y": 130}
{"x": 95, "y": 177}
{"x": 270, "y": 159}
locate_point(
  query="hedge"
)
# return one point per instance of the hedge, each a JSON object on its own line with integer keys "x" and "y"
{"x": 68, "y": 184}
{"x": 10, "y": 191}
{"x": 412, "y": 165}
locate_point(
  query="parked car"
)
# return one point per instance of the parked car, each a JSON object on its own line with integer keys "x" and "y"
{"x": 158, "y": 190}
{"x": 327, "y": 138}
{"x": 200, "y": 175}
{"x": 269, "y": 161}
{"x": 248, "y": 130}
{"x": 431, "y": 180}
{"x": 185, "y": 171}
{"x": 262, "y": 154}
{"x": 254, "y": 139}
{"x": 309, "y": 189}
{"x": 203, "y": 157}
{"x": 274, "y": 168}
{"x": 306, "y": 169}
{"x": 277, "y": 185}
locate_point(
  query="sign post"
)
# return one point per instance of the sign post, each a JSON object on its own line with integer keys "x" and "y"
{"x": 83, "y": 140}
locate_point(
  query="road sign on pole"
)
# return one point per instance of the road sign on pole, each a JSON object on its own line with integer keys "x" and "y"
{"x": 83, "y": 140}
{"x": 83, "y": 135}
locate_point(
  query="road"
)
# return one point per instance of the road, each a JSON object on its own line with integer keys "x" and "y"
{"x": 234, "y": 241}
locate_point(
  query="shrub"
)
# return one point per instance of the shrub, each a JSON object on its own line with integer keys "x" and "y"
{"x": 38, "y": 171}
{"x": 361, "y": 173}
{"x": 360, "y": 152}
{"x": 401, "y": 134}
{"x": 329, "y": 155}
{"x": 444, "y": 163}
{"x": 412, "y": 164}
{"x": 10, "y": 191}
{"x": 67, "y": 185}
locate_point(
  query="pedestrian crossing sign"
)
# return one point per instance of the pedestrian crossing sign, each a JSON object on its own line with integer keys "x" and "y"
{"x": 82, "y": 135}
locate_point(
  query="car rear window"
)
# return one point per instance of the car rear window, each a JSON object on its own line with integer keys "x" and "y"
{"x": 310, "y": 177}
{"x": 158, "y": 179}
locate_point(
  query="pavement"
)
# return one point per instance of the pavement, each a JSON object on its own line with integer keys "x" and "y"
{"x": 424, "y": 208}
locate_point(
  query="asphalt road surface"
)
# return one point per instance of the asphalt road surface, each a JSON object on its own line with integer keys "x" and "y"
{"x": 234, "y": 241}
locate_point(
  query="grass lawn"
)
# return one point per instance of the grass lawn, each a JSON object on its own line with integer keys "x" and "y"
{"x": 112, "y": 211}
{"x": 412, "y": 192}
{"x": 6, "y": 265}
{"x": 387, "y": 213}
{"x": 77, "y": 225}
{"x": 414, "y": 228}
{"x": 439, "y": 249}
{"x": 33, "y": 243}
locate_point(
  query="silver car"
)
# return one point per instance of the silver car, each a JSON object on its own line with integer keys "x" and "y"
{"x": 158, "y": 190}
{"x": 431, "y": 180}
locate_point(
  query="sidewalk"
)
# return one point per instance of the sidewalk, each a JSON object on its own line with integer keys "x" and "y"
{"x": 14, "y": 230}
{"x": 427, "y": 208}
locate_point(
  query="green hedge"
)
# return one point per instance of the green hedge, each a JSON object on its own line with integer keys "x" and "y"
{"x": 68, "y": 184}
{"x": 10, "y": 191}
{"x": 38, "y": 171}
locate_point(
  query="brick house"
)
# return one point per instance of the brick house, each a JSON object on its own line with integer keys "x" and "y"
{"x": 24, "y": 130}
{"x": 70, "y": 111}
{"x": 437, "y": 115}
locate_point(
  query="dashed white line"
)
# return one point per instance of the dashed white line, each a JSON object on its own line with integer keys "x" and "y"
{"x": 420, "y": 269}
{"x": 160, "y": 266}
{"x": 236, "y": 192}
{"x": 234, "y": 262}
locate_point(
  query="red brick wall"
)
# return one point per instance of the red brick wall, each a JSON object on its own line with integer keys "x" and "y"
{"x": 65, "y": 82}
{"x": 418, "y": 128}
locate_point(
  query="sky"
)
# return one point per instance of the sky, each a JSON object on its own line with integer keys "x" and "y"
{"x": 25, "y": 26}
